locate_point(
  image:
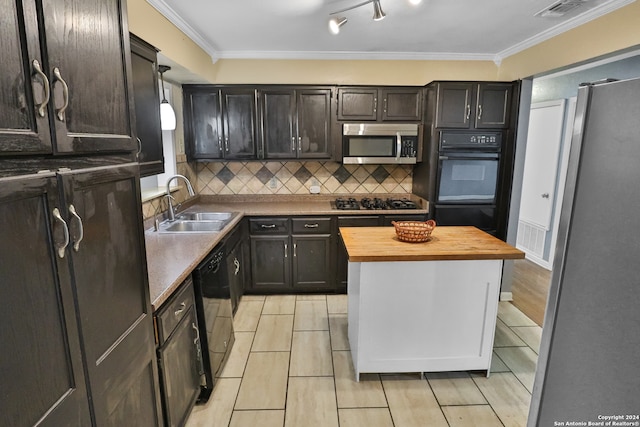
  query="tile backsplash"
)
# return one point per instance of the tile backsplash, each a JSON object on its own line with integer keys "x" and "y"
{"x": 296, "y": 177}
{"x": 159, "y": 204}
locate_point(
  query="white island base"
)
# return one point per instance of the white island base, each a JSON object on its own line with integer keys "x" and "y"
{"x": 422, "y": 316}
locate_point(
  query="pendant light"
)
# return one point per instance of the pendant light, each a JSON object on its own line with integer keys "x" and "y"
{"x": 167, "y": 115}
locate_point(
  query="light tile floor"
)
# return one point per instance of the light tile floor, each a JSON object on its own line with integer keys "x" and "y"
{"x": 291, "y": 367}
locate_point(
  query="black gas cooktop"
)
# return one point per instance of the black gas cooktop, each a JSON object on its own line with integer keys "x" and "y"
{"x": 375, "y": 203}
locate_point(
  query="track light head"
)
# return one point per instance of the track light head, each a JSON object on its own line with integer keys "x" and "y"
{"x": 336, "y": 23}
{"x": 378, "y": 14}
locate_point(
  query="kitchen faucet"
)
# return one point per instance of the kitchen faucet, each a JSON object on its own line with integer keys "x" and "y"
{"x": 170, "y": 197}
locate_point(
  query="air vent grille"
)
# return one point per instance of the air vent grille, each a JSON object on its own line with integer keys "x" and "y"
{"x": 560, "y": 8}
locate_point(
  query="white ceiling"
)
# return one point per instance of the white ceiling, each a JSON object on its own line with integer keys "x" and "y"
{"x": 434, "y": 29}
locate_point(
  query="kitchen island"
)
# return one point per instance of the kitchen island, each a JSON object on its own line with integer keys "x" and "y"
{"x": 423, "y": 307}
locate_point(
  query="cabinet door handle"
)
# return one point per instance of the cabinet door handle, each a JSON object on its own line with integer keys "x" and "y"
{"x": 76, "y": 243}
{"x": 220, "y": 144}
{"x": 299, "y": 143}
{"x": 468, "y": 112}
{"x": 45, "y": 87}
{"x": 139, "y": 148}
{"x": 293, "y": 143}
{"x": 181, "y": 309}
{"x": 375, "y": 105}
{"x": 479, "y": 112}
{"x": 61, "y": 248}
{"x": 226, "y": 144}
{"x": 65, "y": 94}
{"x": 237, "y": 264}
{"x": 197, "y": 338}
{"x": 385, "y": 106}
{"x": 295, "y": 250}
{"x": 316, "y": 225}
{"x": 267, "y": 225}
{"x": 286, "y": 249}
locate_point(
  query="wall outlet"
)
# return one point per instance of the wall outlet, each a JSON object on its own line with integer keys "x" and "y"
{"x": 314, "y": 189}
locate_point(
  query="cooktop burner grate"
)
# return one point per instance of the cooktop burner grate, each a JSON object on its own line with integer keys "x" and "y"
{"x": 375, "y": 203}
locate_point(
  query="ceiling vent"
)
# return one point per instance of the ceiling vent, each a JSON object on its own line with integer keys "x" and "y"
{"x": 560, "y": 8}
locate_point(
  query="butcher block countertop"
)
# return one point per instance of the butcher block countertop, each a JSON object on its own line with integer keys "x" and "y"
{"x": 370, "y": 244}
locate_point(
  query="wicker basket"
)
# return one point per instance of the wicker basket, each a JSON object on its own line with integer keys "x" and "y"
{"x": 414, "y": 231}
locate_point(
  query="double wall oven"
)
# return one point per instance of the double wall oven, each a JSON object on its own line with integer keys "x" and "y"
{"x": 468, "y": 179}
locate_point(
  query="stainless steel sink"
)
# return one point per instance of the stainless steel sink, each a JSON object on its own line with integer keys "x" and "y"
{"x": 197, "y": 222}
{"x": 204, "y": 216}
{"x": 180, "y": 226}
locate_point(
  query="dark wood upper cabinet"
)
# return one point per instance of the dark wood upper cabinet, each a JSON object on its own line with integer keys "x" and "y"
{"x": 203, "y": 126}
{"x": 220, "y": 123}
{"x": 402, "y": 104}
{"x": 313, "y": 122}
{"x": 82, "y": 74}
{"x": 239, "y": 116}
{"x": 144, "y": 68}
{"x": 91, "y": 96}
{"x": 379, "y": 104}
{"x": 453, "y": 108}
{"x": 279, "y": 131}
{"x": 257, "y": 122}
{"x": 467, "y": 105}
{"x": 24, "y": 122}
{"x": 295, "y": 122}
{"x": 494, "y": 104}
{"x": 356, "y": 104}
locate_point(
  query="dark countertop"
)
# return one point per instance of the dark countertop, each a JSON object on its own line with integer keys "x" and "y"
{"x": 171, "y": 257}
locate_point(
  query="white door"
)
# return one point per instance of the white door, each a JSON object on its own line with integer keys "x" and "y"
{"x": 540, "y": 174}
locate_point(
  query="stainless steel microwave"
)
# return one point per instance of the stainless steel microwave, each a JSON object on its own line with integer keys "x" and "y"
{"x": 381, "y": 143}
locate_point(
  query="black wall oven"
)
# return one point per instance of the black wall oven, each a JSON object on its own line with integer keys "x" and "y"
{"x": 468, "y": 179}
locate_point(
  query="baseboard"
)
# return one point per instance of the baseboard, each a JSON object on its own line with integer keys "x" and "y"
{"x": 506, "y": 296}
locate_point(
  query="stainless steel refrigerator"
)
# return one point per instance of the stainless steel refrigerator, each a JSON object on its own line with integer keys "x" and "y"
{"x": 589, "y": 361}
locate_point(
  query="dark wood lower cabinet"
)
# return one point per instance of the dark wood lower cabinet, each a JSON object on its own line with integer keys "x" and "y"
{"x": 109, "y": 267}
{"x": 306, "y": 254}
{"x": 42, "y": 370}
{"x": 297, "y": 259}
{"x": 178, "y": 360}
{"x": 79, "y": 325}
{"x": 270, "y": 263}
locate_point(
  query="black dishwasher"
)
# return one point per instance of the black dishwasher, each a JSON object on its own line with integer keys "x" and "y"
{"x": 215, "y": 318}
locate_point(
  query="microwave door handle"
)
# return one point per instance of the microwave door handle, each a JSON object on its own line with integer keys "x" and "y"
{"x": 398, "y": 145}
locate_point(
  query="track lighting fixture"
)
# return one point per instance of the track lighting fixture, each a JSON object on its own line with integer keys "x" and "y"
{"x": 378, "y": 14}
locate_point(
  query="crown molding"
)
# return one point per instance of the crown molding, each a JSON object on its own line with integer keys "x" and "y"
{"x": 329, "y": 55}
{"x": 570, "y": 24}
{"x": 183, "y": 26}
{"x": 497, "y": 58}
